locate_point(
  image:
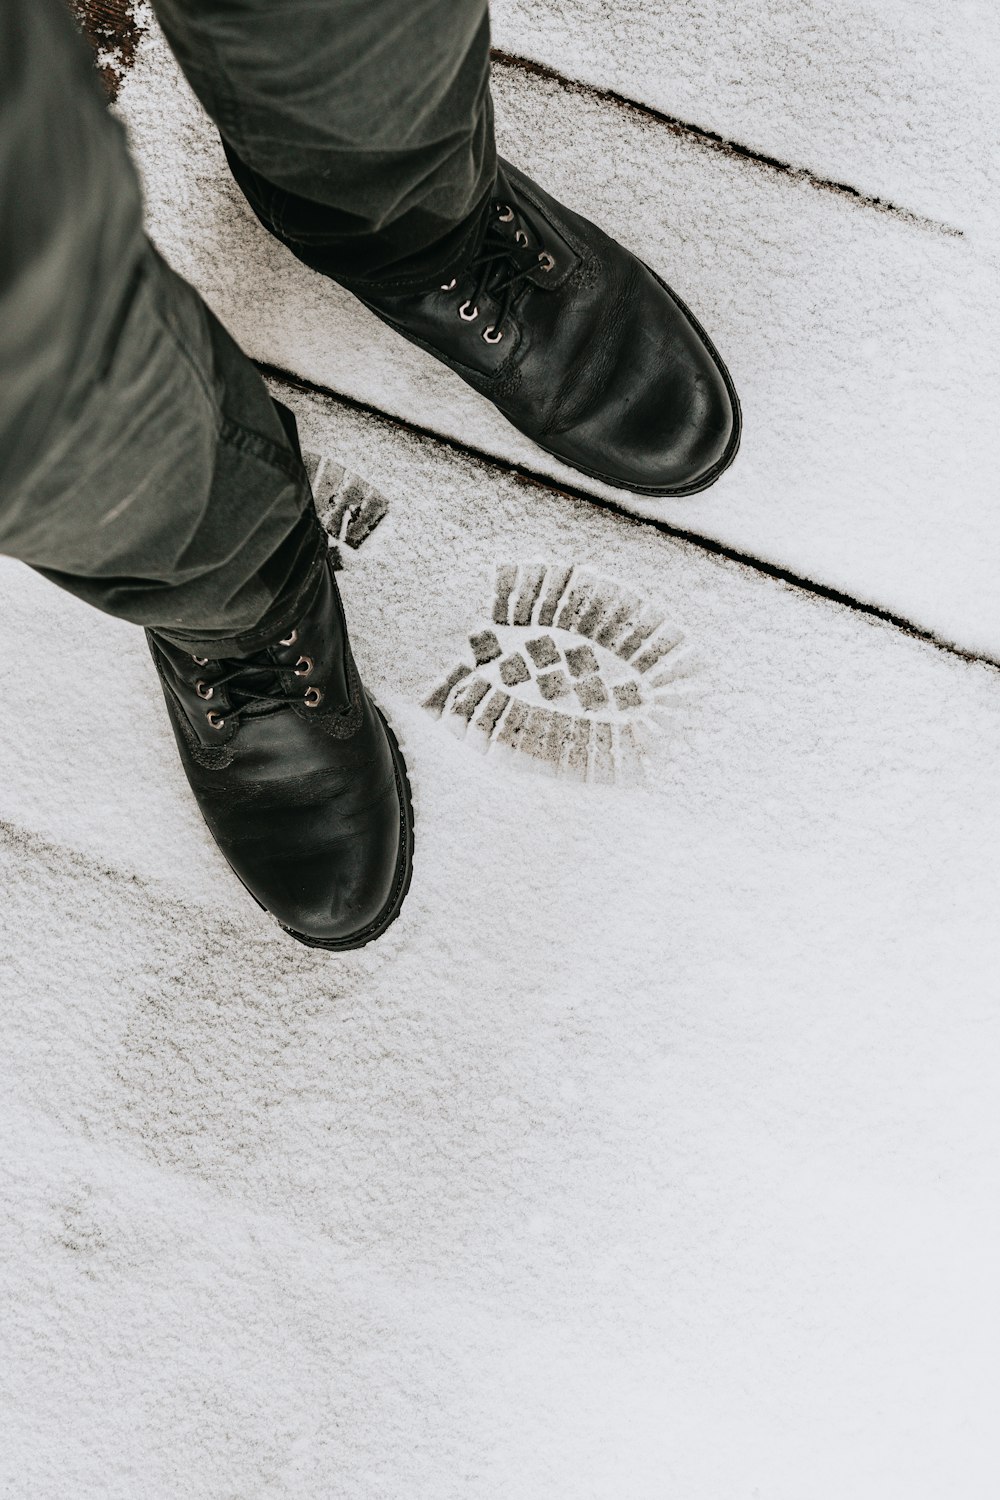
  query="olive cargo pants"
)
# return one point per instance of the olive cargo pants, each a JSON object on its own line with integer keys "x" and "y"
{"x": 143, "y": 465}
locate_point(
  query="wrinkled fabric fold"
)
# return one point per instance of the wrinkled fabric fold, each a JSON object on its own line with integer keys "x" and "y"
{"x": 143, "y": 465}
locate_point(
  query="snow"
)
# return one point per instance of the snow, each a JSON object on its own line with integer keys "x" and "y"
{"x": 893, "y": 97}
{"x": 653, "y": 1150}
{"x": 665, "y": 1112}
{"x": 864, "y": 347}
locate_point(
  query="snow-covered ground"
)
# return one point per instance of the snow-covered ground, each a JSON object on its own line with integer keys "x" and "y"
{"x": 654, "y": 1150}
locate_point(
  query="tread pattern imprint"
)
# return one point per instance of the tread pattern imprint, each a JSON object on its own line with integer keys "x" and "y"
{"x": 572, "y": 672}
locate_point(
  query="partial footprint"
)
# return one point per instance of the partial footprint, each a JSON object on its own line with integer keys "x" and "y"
{"x": 573, "y": 671}
{"x": 348, "y": 507}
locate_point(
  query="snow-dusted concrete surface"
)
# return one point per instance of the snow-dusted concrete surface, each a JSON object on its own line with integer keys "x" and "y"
{"x": 865, "y": 348}
{"x": 896, "y": 98}
{"x": 653, "y": 1152}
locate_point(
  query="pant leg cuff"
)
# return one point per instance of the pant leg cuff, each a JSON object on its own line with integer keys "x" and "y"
{"x": 287, "y": 609}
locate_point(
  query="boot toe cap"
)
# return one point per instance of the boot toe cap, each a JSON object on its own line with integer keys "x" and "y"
{"x": 677, "y": 436}
{"x": 327, "y": 854}
{"x": 667, "y": 420}
{"x": 696, "y": 429}
{"x": 683, "y": 426}
{"x": 330, "y": 891}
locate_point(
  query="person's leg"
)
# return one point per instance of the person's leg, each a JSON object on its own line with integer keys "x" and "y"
{"x": 360, "y": 131}
{"x": 144, "y": 467}
{"x": 168, "y": 491}
{"x": 361, "y": 134}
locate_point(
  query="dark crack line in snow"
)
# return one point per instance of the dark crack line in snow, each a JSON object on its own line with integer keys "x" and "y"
{"x": 706, "y": 544}
{"x": 114, "y": 35}
{"x": 712, "y": 141}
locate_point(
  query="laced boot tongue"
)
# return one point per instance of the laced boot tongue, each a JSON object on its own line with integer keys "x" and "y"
{"x": 504, "y": 268}
{"x": 253, "y": 688}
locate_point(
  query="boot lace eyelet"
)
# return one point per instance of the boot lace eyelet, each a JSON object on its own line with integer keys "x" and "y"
{"x": 497, "y": 332}
{"x": 313, "y": 697}
{"x": 521, "y": 237}
{"x": 200, "y": 661}
{"x": 215, "y": 719}
{"x": 289, "y": 640}
{"x": 468, "y": 317}
{"x": 303, "y": 666}
{"x": 505, "y": 214}
{"x": 204, "y": 690}
{"x": 449, "y": 286}
{"x": 546, "y": 261}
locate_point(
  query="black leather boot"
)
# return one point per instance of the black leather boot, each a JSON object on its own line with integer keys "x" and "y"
{"x": 298, "y": 776}
{"x": 581, "y": 346}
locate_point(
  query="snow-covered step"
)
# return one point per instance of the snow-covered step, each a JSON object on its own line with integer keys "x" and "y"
{"x": 254, "y": 1348}
{"x": 463, "y": 1223}
{"x": 717, "y": 705}
{"x": 895, "y": 99}
{"x": 863, "y": 346}
{"x": 679, "y": 1063}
